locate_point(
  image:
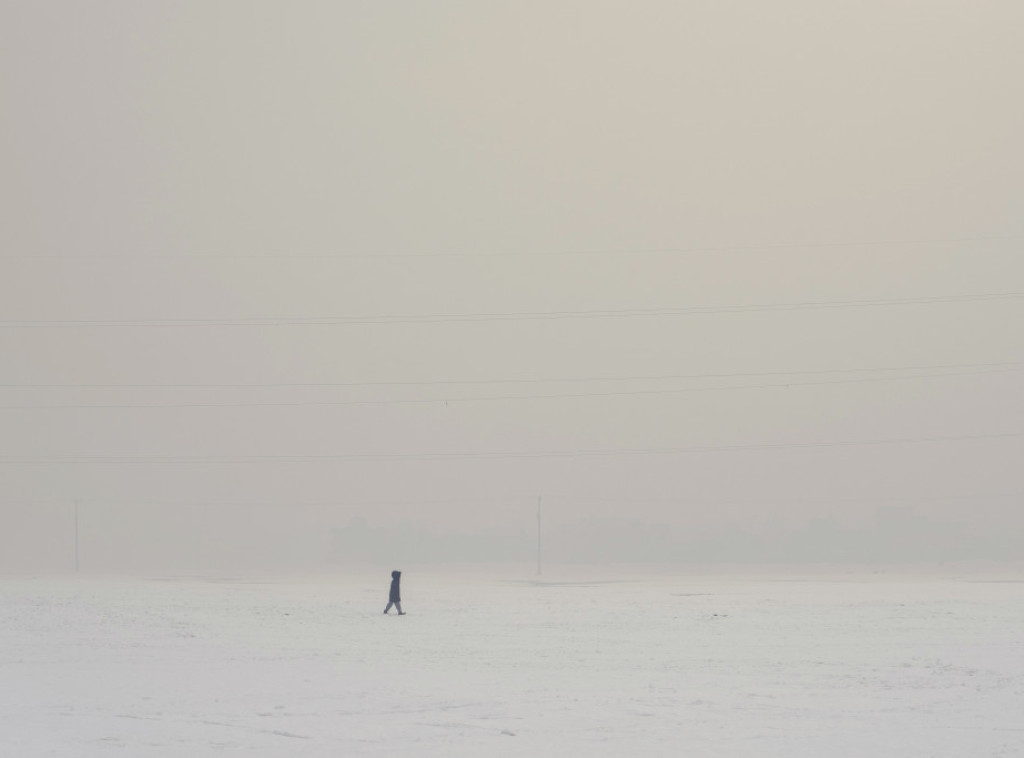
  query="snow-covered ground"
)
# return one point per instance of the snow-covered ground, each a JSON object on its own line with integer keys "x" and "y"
{"x": 578, "y": 663}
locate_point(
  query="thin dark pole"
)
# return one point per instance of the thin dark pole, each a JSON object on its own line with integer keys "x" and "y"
{"x": 538, "y": 536}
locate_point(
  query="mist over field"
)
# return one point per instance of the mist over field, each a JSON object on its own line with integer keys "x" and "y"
{"x": 731, "y": 282}
{"x": 670, "y": 350}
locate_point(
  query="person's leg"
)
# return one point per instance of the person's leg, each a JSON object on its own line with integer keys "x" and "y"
{"x": 389, "y": 607}
{"x": 398, "y": 605}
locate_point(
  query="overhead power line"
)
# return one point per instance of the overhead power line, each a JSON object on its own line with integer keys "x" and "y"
{"x": 438, "y": 318}
{"x": 520, "y": 499}
{"x": 518, "y": 380}
{"x": 549, "y": 253}
{"x": 496, "y": 455}
{"x": 512, "y": 500}
{"x": 492, "y": 398}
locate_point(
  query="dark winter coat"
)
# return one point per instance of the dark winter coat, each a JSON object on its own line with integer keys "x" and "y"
{"x": 395, "y": 596}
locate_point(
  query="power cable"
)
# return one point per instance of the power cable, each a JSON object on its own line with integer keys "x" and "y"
{"x": 520, "y": 499}
{"x": 395, "y": 457}
{"x": 521, "y": 380}
{"x": 550, "y": 253}
{"x": 493, "y": 398}
{"x": 438, "y": 318}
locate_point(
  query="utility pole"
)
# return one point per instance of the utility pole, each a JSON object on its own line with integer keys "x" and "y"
{"x": 538, "y": 535}
{"x": 76, "y": 536}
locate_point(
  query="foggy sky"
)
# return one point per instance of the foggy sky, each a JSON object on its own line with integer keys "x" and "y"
{"x": 394, "y": 162}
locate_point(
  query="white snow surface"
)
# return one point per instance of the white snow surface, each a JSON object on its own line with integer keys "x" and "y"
{"x": 499, "y": 663}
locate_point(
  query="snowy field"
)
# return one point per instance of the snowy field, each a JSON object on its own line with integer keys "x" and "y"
{"x": 501, "y": 664}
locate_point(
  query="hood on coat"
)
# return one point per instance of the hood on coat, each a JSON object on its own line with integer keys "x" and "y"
{"x": 395, "y": 574}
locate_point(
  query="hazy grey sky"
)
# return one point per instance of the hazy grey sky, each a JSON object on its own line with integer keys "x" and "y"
{"x": 218, "y": 162}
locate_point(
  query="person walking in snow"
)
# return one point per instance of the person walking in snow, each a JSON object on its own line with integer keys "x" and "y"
{"x": 395, "y": 597}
